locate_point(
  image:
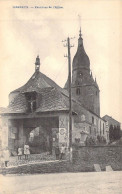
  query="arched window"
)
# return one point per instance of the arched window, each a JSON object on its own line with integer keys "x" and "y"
{"x": 78, "y": 91}
{"x": 95, "y": 131}
{"x": 103, "y": 129}
{"x": 92, "y": 119}
{"x": 100, "y": 127}
{"x": 90, "y": 129}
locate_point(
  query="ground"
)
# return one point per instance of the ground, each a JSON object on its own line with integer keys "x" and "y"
{"x": 63, "y": 183}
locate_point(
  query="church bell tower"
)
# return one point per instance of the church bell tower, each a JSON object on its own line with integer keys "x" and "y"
{"x": 84, "y": 88}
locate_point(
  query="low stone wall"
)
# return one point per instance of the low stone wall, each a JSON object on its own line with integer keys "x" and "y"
{"x": 45, "y": 167}
{"x": 84, "y": 158}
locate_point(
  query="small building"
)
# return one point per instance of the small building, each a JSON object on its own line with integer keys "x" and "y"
{"x": 111, "y": 121}
{"x": 37, "y": 114}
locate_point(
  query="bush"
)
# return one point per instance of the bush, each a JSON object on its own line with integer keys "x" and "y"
{"x": 101, "y": 140}
{"x": 90, "y": 141}
{"x": 114, "y": 133}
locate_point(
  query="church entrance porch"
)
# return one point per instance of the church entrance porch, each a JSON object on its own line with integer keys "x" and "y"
{"x": 42, "y": 132}
{"x": 39, "y": 133}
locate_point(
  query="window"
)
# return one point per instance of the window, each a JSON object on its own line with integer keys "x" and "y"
{"x": 83, "y": 118}
{"x": 77, "y": 140}
{"x": 78, "y": 91}
{"x": 90, "y": 129}
{"x": 93, "y": 120}
{"x": 95, "y": 131}
{"x": 100, "y": 127}
{"x": 103, "y": 129}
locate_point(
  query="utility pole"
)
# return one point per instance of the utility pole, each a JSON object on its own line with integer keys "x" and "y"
{"x": 70, "y": 94}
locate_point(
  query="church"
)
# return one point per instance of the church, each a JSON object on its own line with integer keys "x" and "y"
{"x": 38, "y": 112}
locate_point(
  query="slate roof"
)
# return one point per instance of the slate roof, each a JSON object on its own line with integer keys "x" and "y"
{"x": 51, "y": 100}
{"x": 53, "y": 97}
{"x": 39, "y": 81}
{"x": 109, "y": 118}
{"x": 81, "y": 59}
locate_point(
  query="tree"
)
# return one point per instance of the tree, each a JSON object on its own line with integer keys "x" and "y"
{"x": 118, "y": 133}
{"x": 101, "y": 140}
{"x": 114, "y": 133}
{"x": 111, "y": 133}
{"x": 90, "y": 141}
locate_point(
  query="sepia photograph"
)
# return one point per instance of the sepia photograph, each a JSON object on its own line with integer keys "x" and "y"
{"x": 60, "y": 97}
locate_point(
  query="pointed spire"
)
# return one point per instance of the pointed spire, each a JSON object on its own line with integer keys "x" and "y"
{"x": 80, "y": 40}
{"x": 80, "y": 35}
{"x": 79, "y": 18}
{"x": 37, "y": 64}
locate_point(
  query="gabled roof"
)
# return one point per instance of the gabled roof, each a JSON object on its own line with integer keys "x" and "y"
{"x": 109, "y": 118}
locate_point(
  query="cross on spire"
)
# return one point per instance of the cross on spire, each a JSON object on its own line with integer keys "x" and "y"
{"x": 79, "y": 26}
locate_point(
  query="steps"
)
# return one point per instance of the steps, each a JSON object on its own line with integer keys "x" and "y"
{"x": 98, "y": 169}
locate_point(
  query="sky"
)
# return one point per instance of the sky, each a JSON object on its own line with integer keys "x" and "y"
{"x": 28, "y": 32}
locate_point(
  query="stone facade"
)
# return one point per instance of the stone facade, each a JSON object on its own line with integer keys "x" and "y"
{"x": 4, "y": 132}
{"x": 87, "y": 124}
{"x": 85, "y": 157}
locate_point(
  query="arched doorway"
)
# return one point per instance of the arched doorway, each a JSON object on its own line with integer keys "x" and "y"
{"x": 39, "y": 134}
{"x": 38, "y": 140}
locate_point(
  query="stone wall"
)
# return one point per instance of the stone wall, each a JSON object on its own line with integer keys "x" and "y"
{"x": 84, "y": 158}
{"x": 45, "y": 167}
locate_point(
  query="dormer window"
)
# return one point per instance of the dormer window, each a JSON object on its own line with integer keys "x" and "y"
{"x": 31, "y": 101}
